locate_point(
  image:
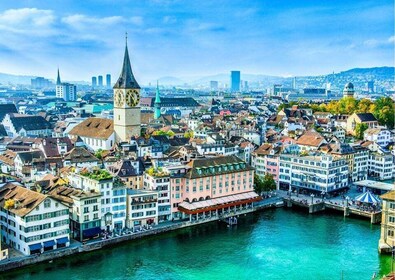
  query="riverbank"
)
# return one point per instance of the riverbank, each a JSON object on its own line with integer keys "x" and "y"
{"x": 93, "y": 245}
{"x": 281, "y": 243}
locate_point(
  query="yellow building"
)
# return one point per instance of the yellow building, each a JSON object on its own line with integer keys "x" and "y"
{"x": 387, "y": 237}
{"x": 358, "y": 118}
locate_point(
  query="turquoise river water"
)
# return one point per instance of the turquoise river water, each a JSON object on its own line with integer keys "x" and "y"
{"x": 274, "y": 244}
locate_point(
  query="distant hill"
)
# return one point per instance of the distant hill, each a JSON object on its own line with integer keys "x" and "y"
{"x": 375, "y": 71}
{"x": 6, "y": 79}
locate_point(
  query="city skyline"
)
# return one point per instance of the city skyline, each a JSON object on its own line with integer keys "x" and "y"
{"x": 172, "y": 38}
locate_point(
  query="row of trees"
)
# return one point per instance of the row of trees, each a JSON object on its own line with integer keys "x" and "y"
{"x": 383, "y": 108}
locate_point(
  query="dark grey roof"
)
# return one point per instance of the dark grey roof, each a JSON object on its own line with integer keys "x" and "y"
{"x": 7, "y": 109}
{"x": 366, "y": 117}
{"x": 29, "y": 156}
{"x": 3, "y": 132}
{"x": 124, "y": 168}
{"x": 180, "y": 101}
{"x": 30, "y": 123}
{"x": 126, "y": 79}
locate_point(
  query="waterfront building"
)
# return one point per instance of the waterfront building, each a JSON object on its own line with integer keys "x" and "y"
{"x": 96, "y": 133}
{"x": 85, "y": 215}
{"x": 66, "y": 91}
{"x": 381, "y": 164}
{"x": 379, "y": 135}
{"x": 127, "y": 114}
{"x": 358, "y": 118}
{"x": 32, "y": 222}
{"x": 265, "y": 160}
{"x": 235, "y": 81}
{"x": 113, "y": 195}
{"x": 158, "y": 179}
{"x": 317, "y": 172}
{"x": 214, "y": 185}
{"x": 3, "y": 249}
{"x": 142, "y": 208}
{"x": 94, "y": 82}
{"x": 387, "y": 236}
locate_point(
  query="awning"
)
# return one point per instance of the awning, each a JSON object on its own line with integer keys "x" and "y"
{"x": 218, "y": 203}
{"x": 49, "y": 243}
{"x": 34, "y": 247}
{"x": 62, "y": 240}
{"x": 367, "y": 197}
{"x": 91, "y": 232}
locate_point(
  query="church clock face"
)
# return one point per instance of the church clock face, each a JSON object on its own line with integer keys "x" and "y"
{"x": 118, "y": 98}
{"x": 132, "y": 97}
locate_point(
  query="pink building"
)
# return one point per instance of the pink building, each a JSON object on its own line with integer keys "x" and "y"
{"x": 265, "y": 160}
{"x": 213, "y": 187}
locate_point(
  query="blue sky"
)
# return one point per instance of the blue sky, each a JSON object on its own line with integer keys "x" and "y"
{"x": 194, "y": 38}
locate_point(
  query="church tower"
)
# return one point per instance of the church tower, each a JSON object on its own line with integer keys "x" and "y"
{"x": 127, "y": 116}
{"x": 157, "y": 103}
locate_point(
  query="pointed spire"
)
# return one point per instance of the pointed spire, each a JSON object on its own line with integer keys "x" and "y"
{"x": 157, "y": 96}
{"x": 126, "y": 79}
{"x": 58, "y": 82}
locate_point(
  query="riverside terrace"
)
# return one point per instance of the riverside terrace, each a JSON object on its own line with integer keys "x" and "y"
{"x": 345, "y": 203}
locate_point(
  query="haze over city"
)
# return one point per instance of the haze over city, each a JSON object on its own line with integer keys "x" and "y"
{"x": 191, "y": 39}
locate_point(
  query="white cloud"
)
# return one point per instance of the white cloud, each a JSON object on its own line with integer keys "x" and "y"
{"x": 28, "y": 20}
{"x": 80, "y": 21}
{"x": 372, "y": 43}
{"x": 137, "y": 20}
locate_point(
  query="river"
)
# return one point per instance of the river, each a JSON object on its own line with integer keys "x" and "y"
{"x": 274, "y": 244}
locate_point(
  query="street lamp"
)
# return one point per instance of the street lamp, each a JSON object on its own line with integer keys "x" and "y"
{"x": 312, "y": 198}
{"x": 347, "y": 198}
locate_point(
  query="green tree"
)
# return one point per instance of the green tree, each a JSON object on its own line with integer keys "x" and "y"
{"x": 188, "y": 134}
{"x": 99, "y": 154}
{"x": 268, "y": 183}
{"x": 364, "y": 106}
{"x": 258, "y": 184}
{"x": 360, "y": 129}
{"x": 384, "y": 111}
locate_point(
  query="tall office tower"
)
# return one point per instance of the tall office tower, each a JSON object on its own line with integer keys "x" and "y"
{"x": 234, "y": 81}
{"x": 100, "y": 80}
{"x": 65, "y": 90}
{"x": 94, "y": 82}
{"x": 246, "y": 86}
{"x": 294, "y": 83}
{"x": 108, "y": 81}
{"x": 371, "y": 86}
{"x": 214, "y": 85}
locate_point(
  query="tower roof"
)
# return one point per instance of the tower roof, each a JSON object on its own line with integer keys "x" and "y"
{"x": 58, "y": 82}
{"x": 126, "y": 79}
{"x": 157, "y": 96}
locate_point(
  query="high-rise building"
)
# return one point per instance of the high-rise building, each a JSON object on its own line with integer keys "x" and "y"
{"x": 108, "y": 81}
{"x": 100, "y": 80}
{"x": 41, "y": 82}
{"x": 214, "y": 85}
{"x": 371, "y": 86}
{"x": 127, "y": 114}
{"x": 65, "y": 90}
{"x": 94, "y": 82}
{"x": 235, "y": 81}
{"x": 245, "y": 85}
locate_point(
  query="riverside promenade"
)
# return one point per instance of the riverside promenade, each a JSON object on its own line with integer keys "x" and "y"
{"x": 340, "y": 204}
{"x": 78, "y": 248}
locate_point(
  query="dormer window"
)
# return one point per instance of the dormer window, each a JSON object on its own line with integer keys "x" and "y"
{"x": 47, "y": 203}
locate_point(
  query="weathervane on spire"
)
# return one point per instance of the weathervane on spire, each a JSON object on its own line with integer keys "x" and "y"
{"x": 126, "y": 38}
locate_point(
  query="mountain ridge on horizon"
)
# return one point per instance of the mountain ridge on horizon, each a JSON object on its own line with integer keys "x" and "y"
{"x": 385, "y": 72}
